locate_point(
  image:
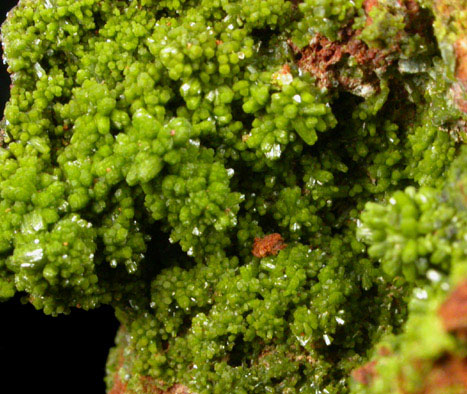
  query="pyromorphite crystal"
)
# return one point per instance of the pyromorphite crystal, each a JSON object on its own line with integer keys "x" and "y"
{"x": 272, "y": 195}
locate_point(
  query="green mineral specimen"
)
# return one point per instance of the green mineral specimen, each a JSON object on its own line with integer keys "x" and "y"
{"x": 271, "y": 194}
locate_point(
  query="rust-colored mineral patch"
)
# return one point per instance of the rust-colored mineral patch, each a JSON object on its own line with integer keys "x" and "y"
{"x": 453, "y": 312}
{"x": 366, "y": 373}
{"x": 459, "y": 95}
{"x": 325, "y": 59}
{"x": 321, "y": 57}
{"x": 448, "y": 373}
{"x": 119, "y": 387}
{"x": 268, "y": 245}
{"x": 367, "y": 6}
{"x": 460, "y": 48}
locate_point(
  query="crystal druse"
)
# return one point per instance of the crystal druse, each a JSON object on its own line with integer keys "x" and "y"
{"x": 272, "y": 195}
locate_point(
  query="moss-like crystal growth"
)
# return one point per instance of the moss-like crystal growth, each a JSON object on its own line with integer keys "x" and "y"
{"x": 272, "y": 195}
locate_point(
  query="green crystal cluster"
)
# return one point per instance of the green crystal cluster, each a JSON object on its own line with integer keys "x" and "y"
{"x": 149, "y": 146}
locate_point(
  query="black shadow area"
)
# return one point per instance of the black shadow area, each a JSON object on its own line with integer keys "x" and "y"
{"x": 63, "y": 354}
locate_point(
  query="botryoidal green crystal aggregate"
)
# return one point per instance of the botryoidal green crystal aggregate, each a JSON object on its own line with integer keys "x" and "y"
{"x": 148, "y": 146}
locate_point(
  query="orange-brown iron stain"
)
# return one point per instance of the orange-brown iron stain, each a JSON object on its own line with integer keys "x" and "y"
{"x": 268, "y": 245}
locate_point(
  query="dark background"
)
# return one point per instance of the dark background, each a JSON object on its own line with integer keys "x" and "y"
{"x": 64, "y": 354}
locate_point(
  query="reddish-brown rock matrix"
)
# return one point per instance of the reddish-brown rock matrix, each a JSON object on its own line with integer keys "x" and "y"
{"x": 366, "y": 373}
{"x": 453, "y": 312}
{"x": 268, "y": 245}
{"x": 449, "y": 375}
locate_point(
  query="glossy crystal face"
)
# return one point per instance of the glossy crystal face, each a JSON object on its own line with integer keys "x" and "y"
{"x": 270, "y": 194}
